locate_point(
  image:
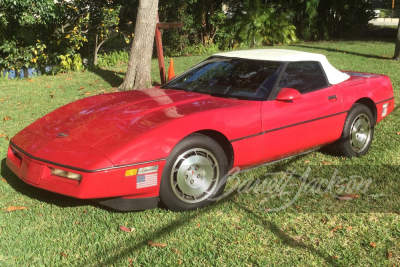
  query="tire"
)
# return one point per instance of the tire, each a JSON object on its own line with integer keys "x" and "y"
{"x": 192, "y": 174}
{"x": 358, "y": 132}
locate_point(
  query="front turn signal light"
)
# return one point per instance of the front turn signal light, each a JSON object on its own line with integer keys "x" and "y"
{"x": 66, "y": 174}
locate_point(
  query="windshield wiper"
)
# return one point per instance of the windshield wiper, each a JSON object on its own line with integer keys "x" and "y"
{"x": 175, "y": 88}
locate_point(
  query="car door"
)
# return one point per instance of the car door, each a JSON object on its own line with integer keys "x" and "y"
{"x": 295, "y": 121}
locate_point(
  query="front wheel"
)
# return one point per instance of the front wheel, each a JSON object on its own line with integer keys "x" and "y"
{"x": 358, "y": 132}
{"x": 192, "y": 175}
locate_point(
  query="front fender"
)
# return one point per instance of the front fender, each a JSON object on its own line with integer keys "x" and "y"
{"x": 156, "y": 142}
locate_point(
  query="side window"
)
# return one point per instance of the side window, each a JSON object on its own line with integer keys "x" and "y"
{"x": 304, "y": 77}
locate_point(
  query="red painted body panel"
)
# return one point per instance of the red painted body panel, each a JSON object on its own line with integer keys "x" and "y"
{"x": 233, "y": 118}
{"x": 376, "y": 87}
{"x": 110, "y": 134}
{"x": 102, "y": 184}
{"x": 247, "y": 152}
{"x": 114, "y": 127}
{"x": 128, "y": 128}
{"x": 302, "y": 124}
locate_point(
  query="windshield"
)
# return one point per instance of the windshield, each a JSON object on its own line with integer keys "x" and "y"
{"x": 229, "y": 77}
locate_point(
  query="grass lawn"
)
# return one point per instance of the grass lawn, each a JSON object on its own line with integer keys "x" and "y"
{"x": 316, "y": 229}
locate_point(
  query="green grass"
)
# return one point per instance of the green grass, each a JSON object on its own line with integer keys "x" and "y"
{"x": 316, "y": 230}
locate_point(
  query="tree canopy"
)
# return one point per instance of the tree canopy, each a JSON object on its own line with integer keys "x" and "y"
{"x": 34, "y": 33}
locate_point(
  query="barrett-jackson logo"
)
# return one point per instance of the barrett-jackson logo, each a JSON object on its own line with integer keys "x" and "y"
{"x": 63, "y": 134}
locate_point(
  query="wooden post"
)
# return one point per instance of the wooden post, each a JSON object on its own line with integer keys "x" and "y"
{"x": 159, "y": 47}
{"x": 160, "y": 53}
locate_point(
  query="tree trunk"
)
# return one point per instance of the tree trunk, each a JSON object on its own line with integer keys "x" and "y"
{"x": 96, "y": 50}
{"x": 397, "y": 49}
{"x": 139, "y": 66}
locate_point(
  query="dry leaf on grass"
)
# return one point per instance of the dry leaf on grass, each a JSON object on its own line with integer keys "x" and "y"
{"x": 337, "y": 228}
{"x": 372, "y": 244}
{"x": 348, "y": 197}
{"x": 6, "y": 118}
{"x": 154, "y": 244}
{"x": 175, "y": 250}
{"x": 237, "y": 226}
{"x": 389, "y": 255}
{"x": 81, "y": 88}
{"x": 2, "y": 99}
{"x": 3, "y": 135}
{"x": 3, "y": 180}
{"x": 64, "y": 255}
{"x": 13, "y": 208}
{"x": 125, "y": 229}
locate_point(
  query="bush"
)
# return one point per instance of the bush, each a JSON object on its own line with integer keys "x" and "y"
{"x": 69, "y": 62}
{"x": 112, "y": 59}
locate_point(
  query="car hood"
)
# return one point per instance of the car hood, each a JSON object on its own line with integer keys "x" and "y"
{"x": 94, "y": 118}
{"x": 94, "y": 132}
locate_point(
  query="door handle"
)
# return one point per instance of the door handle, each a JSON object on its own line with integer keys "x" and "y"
{"x": 332, "y": 97}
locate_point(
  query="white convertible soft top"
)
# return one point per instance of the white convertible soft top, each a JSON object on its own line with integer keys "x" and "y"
{"x": 334, "y": 76}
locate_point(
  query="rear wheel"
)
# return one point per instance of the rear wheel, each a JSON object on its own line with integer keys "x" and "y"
{"x": 193, "y": 173}
{"x": 358, "y": 132}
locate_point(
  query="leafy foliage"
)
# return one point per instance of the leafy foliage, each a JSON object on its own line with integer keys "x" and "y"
{"x": 61, "y": 28}
{"x": 342, "y": 19}
{"x": 83, "y": 26}
{"x": 113, "y": 58}
{"x": 18, "y": 57}
{"x": 266, "y": 27}
{"x": 69, "y": 62}
{"x": 203, "y": 25}
{"x": 314, "y": 19}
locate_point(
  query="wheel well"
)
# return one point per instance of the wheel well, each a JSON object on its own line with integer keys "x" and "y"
{"x": 370, "y": 104}
{"x": 223, "y": 141}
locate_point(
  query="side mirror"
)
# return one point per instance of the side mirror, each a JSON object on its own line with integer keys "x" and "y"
{"x": 288, "y": 95}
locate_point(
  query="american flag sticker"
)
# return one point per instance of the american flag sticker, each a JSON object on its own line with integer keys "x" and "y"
{"x": 146, "y": 180}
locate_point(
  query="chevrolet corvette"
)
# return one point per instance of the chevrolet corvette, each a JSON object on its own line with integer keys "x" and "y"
{"x": 174, "y": 144}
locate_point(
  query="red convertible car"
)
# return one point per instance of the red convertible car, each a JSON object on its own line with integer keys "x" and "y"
{"x": 174, "y": 144}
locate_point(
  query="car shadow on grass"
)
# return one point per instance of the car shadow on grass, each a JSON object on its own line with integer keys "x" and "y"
{"x": 286, "y": 239}
{"x": 112, "y": 77}
{"x": 341, "y": 51}
{"x": 39, "y": 194}
{"x": 137, "y": 242}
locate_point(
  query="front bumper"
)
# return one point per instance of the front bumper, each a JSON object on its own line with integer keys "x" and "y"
{"x": 113, "y": 182}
